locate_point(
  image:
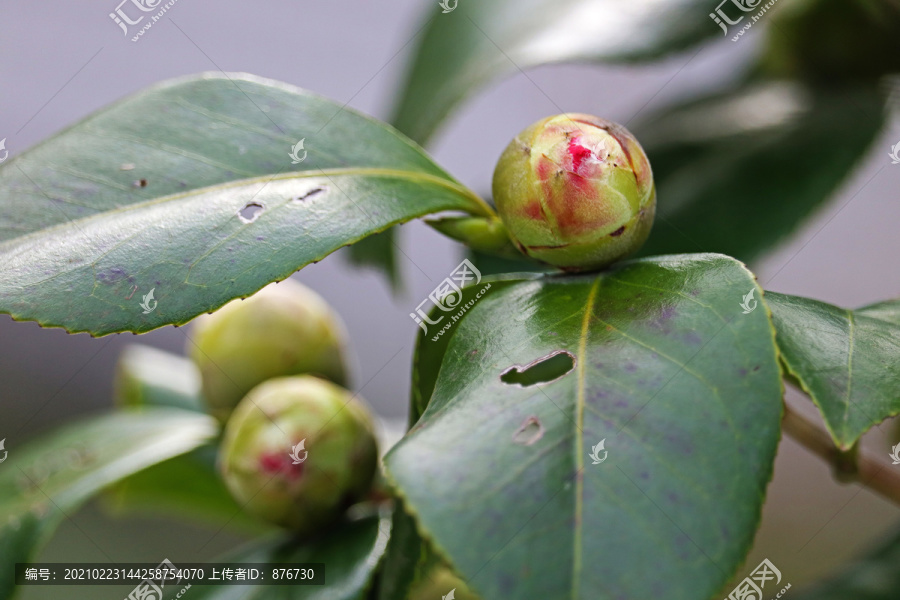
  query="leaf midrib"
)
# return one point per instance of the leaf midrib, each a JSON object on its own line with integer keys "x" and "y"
{"x": 579, "y": 437}
{"x": 480, "y": 207}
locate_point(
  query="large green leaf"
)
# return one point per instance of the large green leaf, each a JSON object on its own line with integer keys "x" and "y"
{"x": 848, "y": 361}
{"x": 150, "y": 195}
{"x": 739, "y": 171}
{"x": 481, "y": 41}
{"x": 45, "y": 481}
{"x": 683, "y": 387}
{"x": 874, "y": 577}
{"x": 350, "y": 552}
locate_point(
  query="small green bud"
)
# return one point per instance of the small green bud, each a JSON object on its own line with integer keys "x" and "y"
{"x": 575, "y": 191}
{"x": 284, "y": 329}
{"x": 298, "y": 451}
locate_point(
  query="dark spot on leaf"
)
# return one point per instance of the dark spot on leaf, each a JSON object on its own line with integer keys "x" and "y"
{"x": 618, "y": 232}
{"x": 310, "y": 194}
{"x": 531, "y": 431}
{"x": 543, "y": 370}
{"x": 250, "y": 212}
{"x": 140, "y": 183}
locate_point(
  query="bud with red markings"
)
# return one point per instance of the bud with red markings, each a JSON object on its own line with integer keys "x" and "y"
{"x": 297, "y": 451}
{"x": 576, "y": 192}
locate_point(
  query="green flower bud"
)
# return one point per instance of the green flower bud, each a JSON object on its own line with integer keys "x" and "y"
{"x": 284, "y": 329}
{"x": 298, "y": 451}
{"x": 575, "y": 191}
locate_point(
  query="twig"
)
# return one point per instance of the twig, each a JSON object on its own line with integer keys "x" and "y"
{"x": 875, "y": 474}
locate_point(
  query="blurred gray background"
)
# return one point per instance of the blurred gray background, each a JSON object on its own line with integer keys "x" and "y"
{"x": 64, "y": 60}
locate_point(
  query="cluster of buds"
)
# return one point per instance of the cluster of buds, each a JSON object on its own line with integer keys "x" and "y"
{"x": 297, "y": 449}
{"x": 576, "y": 192}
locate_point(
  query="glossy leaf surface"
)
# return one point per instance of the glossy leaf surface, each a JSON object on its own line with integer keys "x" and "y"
{"x": 848, "y": 361}
{"x": 180, "y": 198}
{"x": 675, "y": 391}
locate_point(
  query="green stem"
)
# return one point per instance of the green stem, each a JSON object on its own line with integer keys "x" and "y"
{"x": 875, "y": 474}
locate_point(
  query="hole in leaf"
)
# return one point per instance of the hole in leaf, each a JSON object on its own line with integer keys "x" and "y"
{"x": 250, "y": 212}
{"x": 310, "y": 194}
{"x": 531, "y": 431}
{"x": 543, "y": 370}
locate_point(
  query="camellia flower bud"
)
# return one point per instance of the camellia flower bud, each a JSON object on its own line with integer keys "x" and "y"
{"x": 284, "y": 329}
{"x": 298, "y": 451}
{"x": 575, "y": 191}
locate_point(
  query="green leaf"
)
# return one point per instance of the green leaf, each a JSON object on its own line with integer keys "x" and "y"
{"x": 739, "y": 171}
{"x": 431, "y": 344}
{"x": 482, "y": 41}
{"x": 684, "y": 390}
{"x": 82, "y": 244}
{"x": 848, "y": 361}
{"x": 377, "y": 252}
{"x": 351, "y": 553}
{"x": 187, "y": 485}
{"x": 147, "y": 376}
{"x": 402, "y": 556}
{"x": 874, "y": 577}
{"x": 47, "y": 480}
